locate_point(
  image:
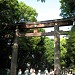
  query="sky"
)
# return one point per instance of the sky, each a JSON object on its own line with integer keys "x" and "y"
{"x": 46, "y": 11}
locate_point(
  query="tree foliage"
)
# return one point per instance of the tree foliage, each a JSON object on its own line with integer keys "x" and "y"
{"x": 71, "y": 48}
{"x": 26, "y": 12}
{"x": 49, "y": 51}
{"x": 35, "y": 48}
{"x": 10, "y": 14}
{"x": 63, "y": 49}
{"x": 8, "y": 11}
{"x": 67, "y": 11}
{"x": 67, "y": 8}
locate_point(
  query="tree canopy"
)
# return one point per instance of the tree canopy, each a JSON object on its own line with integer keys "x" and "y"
{"x": 8, "y": 11}
{"x": 63, "y": 50}
{"x": 27, "y": 13}
{"x": 67, "y": 8}
{"x": 71, "y": 48}
{"x": 68, "y": 11}
{"x": 11, "y": 12}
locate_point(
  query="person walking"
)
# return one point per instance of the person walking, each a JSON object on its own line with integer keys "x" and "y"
{"x": 19, "y": 72}
{"x": 46, "y": 71}
{"x": 33, "y": 72}
{"x": 51, "y": 72}
{"x": 26, "y": 72}
{"x": 39, "y": 72}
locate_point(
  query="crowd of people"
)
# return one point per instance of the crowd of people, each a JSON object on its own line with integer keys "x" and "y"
{"x": 32, "y": 72}
{"x": 46, "y": 72}
{"x": 39, "y": 72}
{"x": 27, "y": 72}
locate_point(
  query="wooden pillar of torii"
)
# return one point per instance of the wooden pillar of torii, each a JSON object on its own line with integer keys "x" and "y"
{"x": 57, "y": 69}
{"x": 56, "y": 33}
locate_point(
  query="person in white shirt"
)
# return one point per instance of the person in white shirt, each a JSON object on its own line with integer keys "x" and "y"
{"x": 19, "y": 72}
{"x": 33, "y": 72}
{"x": 39, "y": 72}
{"x": 51, "y": 72}
{"x": 26, "y": 72}
{"x": 69, "y": 73}
{"x": 46, "y": 71}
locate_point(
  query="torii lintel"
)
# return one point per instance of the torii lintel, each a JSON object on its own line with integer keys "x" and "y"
{"x": 47, "y": 23}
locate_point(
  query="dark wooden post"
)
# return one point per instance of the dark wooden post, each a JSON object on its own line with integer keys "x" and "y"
{"x": 35, "y": 30}
{"x": 14, "y": 54}
{"x": 56, "y": 50}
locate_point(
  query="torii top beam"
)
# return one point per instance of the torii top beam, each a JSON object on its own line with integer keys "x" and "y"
{"x": 47, "y": 23}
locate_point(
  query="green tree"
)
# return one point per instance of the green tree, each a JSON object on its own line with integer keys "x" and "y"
{"x": 31, "y": 49}
{"x": 67, "y": 8}
{"x": 67, "y": 11}
{"x": 27, "y": 13}
{"x": 71, "y": 48}
{"x": 8, "y": 17}
{"x": 63, "y": 49}
{"x": 49, "y": 51}
{"x": 9, "y": 12}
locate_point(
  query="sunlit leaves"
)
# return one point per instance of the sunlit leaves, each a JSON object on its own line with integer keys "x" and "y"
{"x": 63, "y": 50}
{"x": 68, "y": 10}
{"x": 71, "y": 47}
{"x": 49, "y": 50}
{"x": 63, "y": 47}
{"x": 26, "y": 12}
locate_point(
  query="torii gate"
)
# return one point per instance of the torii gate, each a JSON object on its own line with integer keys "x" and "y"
{"x": 42, "y": 24}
